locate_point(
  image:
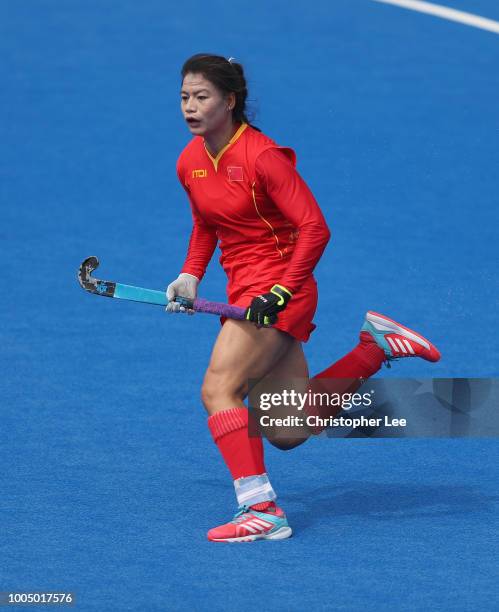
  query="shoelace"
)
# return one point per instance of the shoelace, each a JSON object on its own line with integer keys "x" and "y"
{"x": 240, "y": 515}
{"x": 388, "y": 362}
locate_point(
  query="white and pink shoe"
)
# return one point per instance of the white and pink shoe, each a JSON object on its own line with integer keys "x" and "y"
{"x": 397, "y": 340}
{"x": 249, "y": 525}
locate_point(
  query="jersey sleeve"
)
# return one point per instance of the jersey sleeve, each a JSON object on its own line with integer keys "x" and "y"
{"x": 279, "y": 179}
{"x": 203, "y": 239}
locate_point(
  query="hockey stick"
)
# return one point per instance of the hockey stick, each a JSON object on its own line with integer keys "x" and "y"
{"x": 148, "y": 296}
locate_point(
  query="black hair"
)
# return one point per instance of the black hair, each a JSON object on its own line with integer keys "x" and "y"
{"x": 227, "y": 76}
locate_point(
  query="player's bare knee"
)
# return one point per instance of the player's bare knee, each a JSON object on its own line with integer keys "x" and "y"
{"x": 208, "y": 394}
{"x": 218, "y": 391}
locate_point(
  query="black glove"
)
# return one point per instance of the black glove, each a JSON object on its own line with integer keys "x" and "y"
{"x": 264, "y": 308}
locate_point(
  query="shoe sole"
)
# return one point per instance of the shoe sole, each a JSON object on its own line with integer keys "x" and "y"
{"x": 280, "y": 534}
{"x": 383, "y": 323}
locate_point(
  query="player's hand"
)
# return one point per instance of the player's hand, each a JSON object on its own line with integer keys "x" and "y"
{"x": 186, "y": 285}
{"x": 264, "y": 308}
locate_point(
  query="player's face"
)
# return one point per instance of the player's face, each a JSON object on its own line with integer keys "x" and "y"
{"x": 204, "y": 107}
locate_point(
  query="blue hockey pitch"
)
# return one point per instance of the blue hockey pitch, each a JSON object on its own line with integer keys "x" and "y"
{"x": 109, "y": 477}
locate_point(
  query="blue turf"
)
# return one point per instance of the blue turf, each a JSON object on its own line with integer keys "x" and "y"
{"x": 109, "y": 478}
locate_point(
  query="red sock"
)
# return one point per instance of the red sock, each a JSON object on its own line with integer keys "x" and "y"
{"x": 362, "y": 362}
{"x": 242, "y": 454}
{"x": 268, "y": 506}
{"x": 346, "y": 376}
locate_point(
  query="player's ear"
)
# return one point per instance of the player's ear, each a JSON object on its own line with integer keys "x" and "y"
{"x": 231, "y": 101}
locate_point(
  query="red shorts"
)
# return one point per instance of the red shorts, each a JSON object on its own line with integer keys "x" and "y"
{"x": 295, "y": 319}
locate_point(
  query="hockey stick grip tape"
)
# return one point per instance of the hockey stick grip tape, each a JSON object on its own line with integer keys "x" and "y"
{"x": 217, "y": 308}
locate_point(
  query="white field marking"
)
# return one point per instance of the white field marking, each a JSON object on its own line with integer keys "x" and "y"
{"x": 445, "y": 12}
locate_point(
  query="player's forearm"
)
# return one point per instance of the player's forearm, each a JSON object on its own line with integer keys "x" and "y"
{"x": 308, "y": 250}
{"x": 200, "y": 251}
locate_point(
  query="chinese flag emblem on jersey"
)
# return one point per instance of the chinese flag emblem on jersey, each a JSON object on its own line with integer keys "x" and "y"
{"x": 235, "y": 173}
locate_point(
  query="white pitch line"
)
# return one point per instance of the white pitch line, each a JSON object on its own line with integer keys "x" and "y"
{"x": 445, "y": 12}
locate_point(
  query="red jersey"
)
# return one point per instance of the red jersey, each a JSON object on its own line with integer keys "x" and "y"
{"x": 251, "y": 199}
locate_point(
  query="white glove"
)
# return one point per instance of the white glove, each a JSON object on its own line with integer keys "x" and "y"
{"x": 186, "y": 285}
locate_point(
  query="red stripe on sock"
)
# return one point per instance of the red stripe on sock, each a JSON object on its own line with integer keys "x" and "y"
{"x": 226, "y": 421}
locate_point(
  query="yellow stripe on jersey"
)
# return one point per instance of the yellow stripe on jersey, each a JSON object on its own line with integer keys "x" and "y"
{"x": 216, "y": 159}
{"x": 265, "y": 221}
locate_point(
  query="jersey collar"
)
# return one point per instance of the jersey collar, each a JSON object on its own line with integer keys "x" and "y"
{"x": 216, "y": 159}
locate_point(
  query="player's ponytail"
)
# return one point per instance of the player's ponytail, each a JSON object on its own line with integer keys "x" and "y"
{"x": 239, "y": 112}
{"x": 227, "y": 75}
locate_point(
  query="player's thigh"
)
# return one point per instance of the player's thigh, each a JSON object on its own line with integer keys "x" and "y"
{"x": 241, "y": 352}
{"x": 290, "y": 373}
{"x": 293, "y": 364}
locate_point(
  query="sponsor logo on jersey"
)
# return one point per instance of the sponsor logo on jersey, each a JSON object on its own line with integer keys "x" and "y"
{"x": 235, "y": 173}
{"x": 200, "y": 173}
